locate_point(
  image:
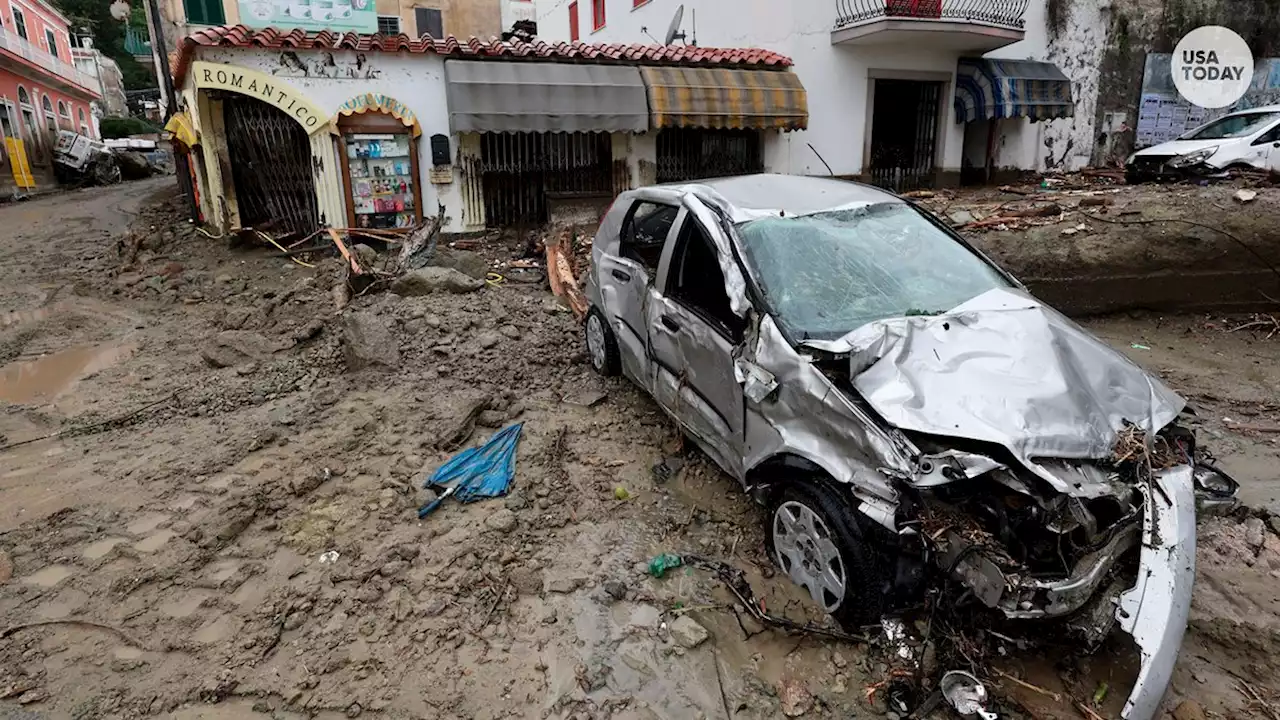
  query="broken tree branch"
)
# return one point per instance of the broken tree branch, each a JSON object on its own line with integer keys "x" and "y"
{"x": 86, "y": 429}
{"x": 73, "y": 621}
{"x": 1022, "y": 683}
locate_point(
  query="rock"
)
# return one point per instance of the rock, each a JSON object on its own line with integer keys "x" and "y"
{"x": 354, "y": 710}
{"x": 563, "y": 584}
{"x": 224, "y": 279}
{"x": 488, "y": 340}
{"x": 491, "y": 418}
{"x": 432, "y": 280}
{"x": 1188, "y": 710}
{"x": 503, "y": 521}
{"x": 133, "y": 165}
{"x": 392, "y": 568}
{"x": 234, "y": 347}
{"x": 367, "y": 341}
{"x": 1094, "y": 201}
{"x": 6, "y": 567}
{"x": 1255, "y": 533}
{"x": 549, "y": 615}
{"x": 1245, "y": 196}
{"x": 960, "y": 217}
{"x": 616, "y": 589}
{"x": 365, "y": 255}
{"x": 794, "y": 697}
{"x": 294, "y": 621}
{"x": 686, "y": 632}
{"x": 510, "y": 331}
{"x": 840, "y": 661}
{"x": 468, "y": 263}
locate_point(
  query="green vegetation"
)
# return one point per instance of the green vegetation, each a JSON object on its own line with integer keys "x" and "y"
{"x": 94, "y": 16}
{"x": 121, "y": 127}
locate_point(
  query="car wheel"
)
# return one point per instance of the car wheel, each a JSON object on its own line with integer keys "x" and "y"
{"x": 1133, "y": 177}
{"x": 602, "y": 346}
{"x": 817, "y": 539}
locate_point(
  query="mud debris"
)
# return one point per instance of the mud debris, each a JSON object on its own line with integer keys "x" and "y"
{"x": 538, "y": 604}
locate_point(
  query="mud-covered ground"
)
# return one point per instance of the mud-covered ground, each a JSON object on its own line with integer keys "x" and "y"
{"x": 183, "y": 543}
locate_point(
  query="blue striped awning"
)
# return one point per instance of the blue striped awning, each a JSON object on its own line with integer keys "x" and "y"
{"x": 990, "y": 88}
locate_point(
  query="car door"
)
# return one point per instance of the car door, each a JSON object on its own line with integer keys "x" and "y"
{"x": 693, "y": 333}
{"x": 626, "y": 278}
{"x": 1267, "y": 148}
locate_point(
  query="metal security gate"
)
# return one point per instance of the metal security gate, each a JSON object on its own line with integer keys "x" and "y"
{"x": 698, "y": 153}
{"x": 904, "y": 134}
{"x": 519, "y": 171}
{"x": 271, "y": 167}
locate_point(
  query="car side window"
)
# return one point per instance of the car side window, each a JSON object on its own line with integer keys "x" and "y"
{"x": 1270, "y": 136}
{"x": 696, "y": 281}
{"x": 644, "y": 232}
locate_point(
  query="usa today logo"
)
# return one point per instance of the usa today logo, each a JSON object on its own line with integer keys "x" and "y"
{"x": 1212, "y": 67}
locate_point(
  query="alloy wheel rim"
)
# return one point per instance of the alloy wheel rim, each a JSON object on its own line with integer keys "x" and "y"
{"x": 807, "y": 552}
{"x": 595, "y": 341}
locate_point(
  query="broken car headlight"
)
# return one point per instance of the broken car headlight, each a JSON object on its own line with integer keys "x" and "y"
{"x": 1193, "y": 158}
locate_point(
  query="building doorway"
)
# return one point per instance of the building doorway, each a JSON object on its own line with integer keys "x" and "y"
{"x": 904, "y": 134}
{"x": 270, "y": 167}
{"x": 523, "y": 173}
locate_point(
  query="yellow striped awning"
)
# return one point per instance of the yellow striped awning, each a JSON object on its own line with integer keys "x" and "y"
{"x": 725, "y": 99}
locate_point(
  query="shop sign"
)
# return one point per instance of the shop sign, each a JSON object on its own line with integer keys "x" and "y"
{"x": 336, "y": 15}
{"x": 269, "y": 89}
{"x": 377, "y": 102}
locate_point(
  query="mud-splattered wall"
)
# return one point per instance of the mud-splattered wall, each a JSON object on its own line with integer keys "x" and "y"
{"x": 1132, "y": 29}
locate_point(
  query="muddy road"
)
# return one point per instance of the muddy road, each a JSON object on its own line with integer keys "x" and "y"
{"x": 225, "y": 426}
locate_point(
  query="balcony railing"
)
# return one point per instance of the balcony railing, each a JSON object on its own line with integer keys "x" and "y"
{"x": 1000, "y": 13}
{"x": 19, "y": 46}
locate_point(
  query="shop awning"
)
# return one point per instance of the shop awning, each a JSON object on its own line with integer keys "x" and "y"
{"x": 725, "y": 98}
{"x": 497, "y": 96}
{"x": 988, "y": 88}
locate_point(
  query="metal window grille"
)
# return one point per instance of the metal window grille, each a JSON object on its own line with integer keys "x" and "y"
{"x": 696, "y": 153}
{"x": 518, "y": 171}
{"x": 388, "y": 25}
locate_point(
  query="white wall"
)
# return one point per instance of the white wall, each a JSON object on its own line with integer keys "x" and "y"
{"x": 415, "y": 80}
{"x": 835, "y": 77}
{"x": 1065, "y": 144}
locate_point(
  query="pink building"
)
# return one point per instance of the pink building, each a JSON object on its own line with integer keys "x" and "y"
{"x": 41, "y": 92}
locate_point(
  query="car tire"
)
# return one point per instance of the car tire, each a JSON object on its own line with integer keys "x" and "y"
{"x": 602, "y": 344}
{"x": 811, "y": 512}
{"x": 1132, "y": 177}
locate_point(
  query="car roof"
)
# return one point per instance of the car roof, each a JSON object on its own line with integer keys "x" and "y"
{"x": 1263, "y": 109}
{"x": 748, "y": 195}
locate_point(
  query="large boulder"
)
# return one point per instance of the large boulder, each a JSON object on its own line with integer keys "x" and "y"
{"x": 134, "y": 165}
{"x": 464, "y": 261}
{"x": 433, "y": 280}
{"x": 367, "y": 342}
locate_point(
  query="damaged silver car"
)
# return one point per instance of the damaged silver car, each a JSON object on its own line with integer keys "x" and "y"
{"x": 906, "y": 410}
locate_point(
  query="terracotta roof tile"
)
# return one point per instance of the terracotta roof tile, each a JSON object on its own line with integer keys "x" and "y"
{"x": 242, "y": 36}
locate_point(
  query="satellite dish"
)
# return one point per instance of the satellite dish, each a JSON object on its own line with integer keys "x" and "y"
{"x": 673, "y": 30}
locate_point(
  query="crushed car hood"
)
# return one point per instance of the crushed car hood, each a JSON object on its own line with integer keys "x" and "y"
{"x": 1004, "y": 368}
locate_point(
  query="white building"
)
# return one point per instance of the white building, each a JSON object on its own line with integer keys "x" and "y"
{"x": 889, "y": 99}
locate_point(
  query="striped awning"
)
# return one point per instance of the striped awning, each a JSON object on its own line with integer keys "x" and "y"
{"x": 725, "y": 99}
{"x": 988, "y": 88}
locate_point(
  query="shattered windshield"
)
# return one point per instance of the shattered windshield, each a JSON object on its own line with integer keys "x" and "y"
{"x": 1232, "y": 126}
{"x": 829, "y": 273}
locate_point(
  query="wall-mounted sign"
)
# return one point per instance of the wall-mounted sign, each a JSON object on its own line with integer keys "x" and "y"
{"x": 218, "y": 76}
{"x": 441, "y": 174}
{"x": 377, "y": 102}
{"x": 336, "y": 15}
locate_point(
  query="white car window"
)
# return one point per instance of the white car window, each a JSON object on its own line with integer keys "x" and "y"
{"x": 1233, "y": 126}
